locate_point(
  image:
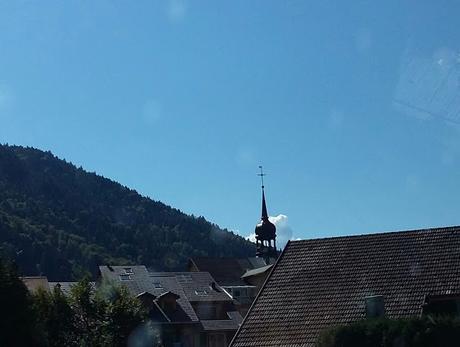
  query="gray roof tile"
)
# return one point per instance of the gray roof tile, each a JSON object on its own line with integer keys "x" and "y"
{"x": 323, "y": 282}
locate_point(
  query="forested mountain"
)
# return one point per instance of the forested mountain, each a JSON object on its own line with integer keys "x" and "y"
{"x": 61, "y": 221}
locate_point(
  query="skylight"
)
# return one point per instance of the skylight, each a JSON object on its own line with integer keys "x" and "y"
{"x": 185, "y": 278}
{"x": 125, "y": 277}
{"x": 201, "y": 292}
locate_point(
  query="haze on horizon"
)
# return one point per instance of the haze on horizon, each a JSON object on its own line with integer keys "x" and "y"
{"x": 352, "y": 108}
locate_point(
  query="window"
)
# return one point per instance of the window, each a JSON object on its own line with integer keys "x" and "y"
{"x": 157, "y": 285}
{"x": 129, "y": 271}
{"x": 125, "y": 277}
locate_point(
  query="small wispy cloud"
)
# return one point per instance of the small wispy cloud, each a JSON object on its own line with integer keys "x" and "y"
{"x": 284, "y": 232}
{"x": 177, "y": 10}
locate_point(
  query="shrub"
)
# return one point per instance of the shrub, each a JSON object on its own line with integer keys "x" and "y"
{"x": 418, "y": 332}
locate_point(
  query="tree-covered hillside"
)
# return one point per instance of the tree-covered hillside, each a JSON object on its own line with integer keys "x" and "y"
{"x": 60, "y": 221}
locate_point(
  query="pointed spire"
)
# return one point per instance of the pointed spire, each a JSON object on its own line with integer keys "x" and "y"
{"x": 264, "y": 206}
{"x": 265, "y": 231}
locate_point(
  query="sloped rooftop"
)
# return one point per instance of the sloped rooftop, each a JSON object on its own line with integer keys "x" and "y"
{"x": 66, "y": 287}
{"x": 258, "y": 271}
{"x": 324, "y": 282}
{"x": 140, "y": 281}
{"x": 197, "y": 286}
{"x": 189, "y": 286}
{"x": 34, "y": 283}
{"x": 228, "y": 271}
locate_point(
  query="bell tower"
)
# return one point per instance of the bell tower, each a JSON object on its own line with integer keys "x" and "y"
{"x": 265, "y": 231}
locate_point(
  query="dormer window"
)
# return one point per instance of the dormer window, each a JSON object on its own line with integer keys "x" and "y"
{"x": 128, "y": 271}
{"x": 157, "y": 285}
{"x": 168, "y": 305}
{"x": 167, "y": 301}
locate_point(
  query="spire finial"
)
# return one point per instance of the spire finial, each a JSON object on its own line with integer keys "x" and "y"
{"x": 262, "y": 175}
{"x": 264, "y": 205}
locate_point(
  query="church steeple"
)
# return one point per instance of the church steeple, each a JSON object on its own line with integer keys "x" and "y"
{"x": 265, "y": 231}
{"x": 264, "y": 206}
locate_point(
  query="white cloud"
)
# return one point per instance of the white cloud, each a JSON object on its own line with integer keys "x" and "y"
{"x": 284, "y": 232}
{"x": 251, "y": 237}
{"x": 177, "y": 9}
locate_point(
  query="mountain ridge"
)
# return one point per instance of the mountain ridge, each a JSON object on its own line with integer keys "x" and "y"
{"x": 61, "y": 221}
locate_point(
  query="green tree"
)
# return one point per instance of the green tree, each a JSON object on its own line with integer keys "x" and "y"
{"x": 89, "y": 315}
{"x": 17, "y": 318}
{"x": 123, "y": 314}
{"x": 417, "y": 332}
{"x": 106, "y": 316}
{"x": 56, "y": 317}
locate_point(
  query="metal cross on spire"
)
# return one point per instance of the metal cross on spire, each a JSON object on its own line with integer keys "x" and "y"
{"x": 261, "y": 174}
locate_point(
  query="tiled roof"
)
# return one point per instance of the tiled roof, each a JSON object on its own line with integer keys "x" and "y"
{"x": 142, "y": 281}
{"x": 227, "y": 271}
{"x": 323, "y": 282}
{"x": 33, "y": 283}
{"x": 189, "y": 286}
{"x": 161, "y": 285}
{"x": 67, "y": 286}
{"x": 135, "y": 278}
{"x": 197, "y": 286}
{"x": 223, "y": 324}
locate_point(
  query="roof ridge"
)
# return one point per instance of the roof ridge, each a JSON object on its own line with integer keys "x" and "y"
{"x": 432, "y": 229}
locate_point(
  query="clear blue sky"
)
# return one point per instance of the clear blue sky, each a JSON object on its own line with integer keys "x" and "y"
{"x": 352, "y": 107}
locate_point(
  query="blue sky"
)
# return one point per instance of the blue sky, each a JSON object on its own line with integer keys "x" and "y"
{"x": 352, "y": 107}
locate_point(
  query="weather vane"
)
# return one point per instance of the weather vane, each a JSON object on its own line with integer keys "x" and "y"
{"x": 261, "y": 174}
